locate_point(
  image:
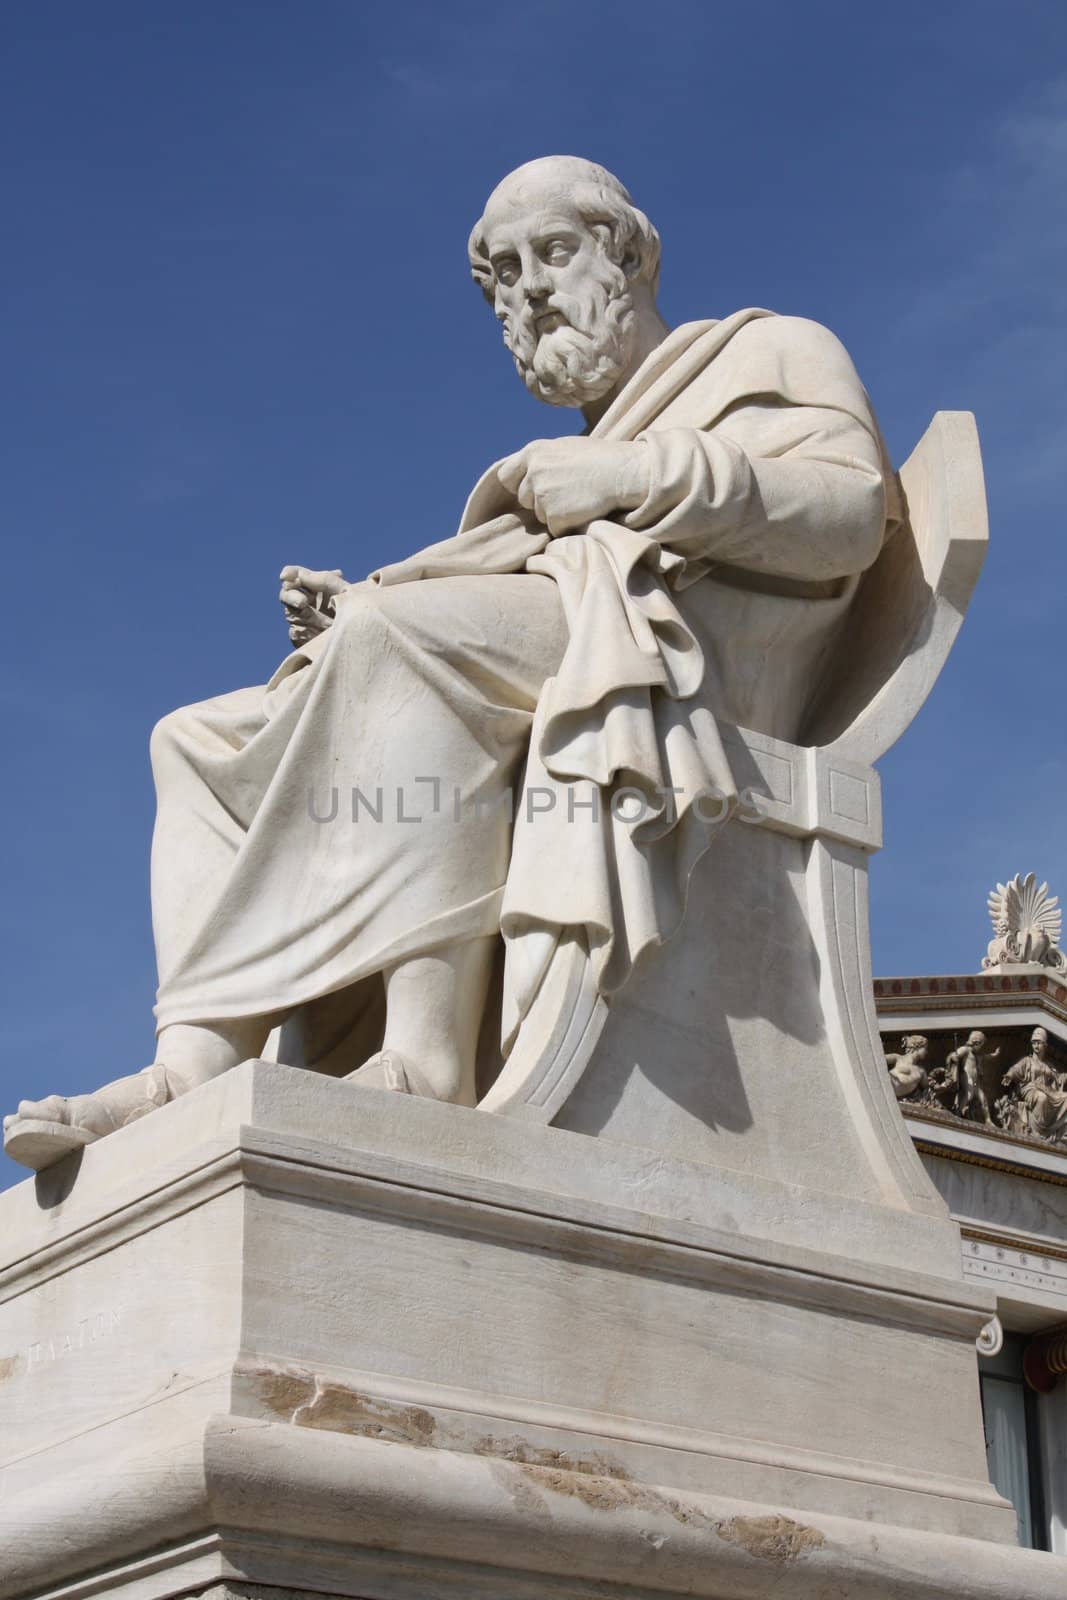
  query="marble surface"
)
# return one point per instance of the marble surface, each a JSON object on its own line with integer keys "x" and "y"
{"x": 299, "y": 1325}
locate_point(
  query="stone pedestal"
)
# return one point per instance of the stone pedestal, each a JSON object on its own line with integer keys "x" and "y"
{"x": 288, "y": 1334}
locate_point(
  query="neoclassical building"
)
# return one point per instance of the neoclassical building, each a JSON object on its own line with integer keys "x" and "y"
{"x": 979, "y": 1065}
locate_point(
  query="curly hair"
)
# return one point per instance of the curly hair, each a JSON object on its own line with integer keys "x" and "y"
{"x": 600, "y": 201}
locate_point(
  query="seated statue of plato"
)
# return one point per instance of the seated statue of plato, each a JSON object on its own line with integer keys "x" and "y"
{"x": 376, "y": 818}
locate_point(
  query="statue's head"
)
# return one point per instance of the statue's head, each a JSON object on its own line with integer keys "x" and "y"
{"x": 567, "y": 262}
{"x": 1039, "y": 1043}
{"x": 916, "y": 1045}
{"x": 976, "y": 1040}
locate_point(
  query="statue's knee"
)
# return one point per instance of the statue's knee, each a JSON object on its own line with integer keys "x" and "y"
{"x": 162, "y": 738}
{"x": 359, "y": 614}
{"x": 169, "y": 736}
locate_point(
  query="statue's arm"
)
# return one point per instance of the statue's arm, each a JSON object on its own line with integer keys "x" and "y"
{"x": 793, "y": 491}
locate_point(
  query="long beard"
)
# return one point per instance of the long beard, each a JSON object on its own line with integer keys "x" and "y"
{"x": 584, "y": 359}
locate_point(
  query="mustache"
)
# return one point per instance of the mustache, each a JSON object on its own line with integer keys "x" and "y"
{"x": 562, "y": 310}
{"x": 581, "y": 315}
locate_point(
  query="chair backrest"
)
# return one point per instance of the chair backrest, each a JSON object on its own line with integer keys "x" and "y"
{"x": 910, "y": 603}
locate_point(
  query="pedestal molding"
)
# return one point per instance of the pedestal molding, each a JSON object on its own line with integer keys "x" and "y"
{"x": 348, "y": 1500}
{"x": 508, "y": 1409}
{"x": 631, "y": 1239}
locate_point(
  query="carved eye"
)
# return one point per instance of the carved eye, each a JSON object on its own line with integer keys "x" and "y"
{"x": 558, "y": 252}
{"x": 507, "y": 271}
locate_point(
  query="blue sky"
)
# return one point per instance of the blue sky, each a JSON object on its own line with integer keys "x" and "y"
{"x": 240, "y": 332}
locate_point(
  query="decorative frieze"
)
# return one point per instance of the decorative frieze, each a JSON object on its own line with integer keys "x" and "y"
{"x": 959, "y": 989}
{"x": 962, "y": 1078}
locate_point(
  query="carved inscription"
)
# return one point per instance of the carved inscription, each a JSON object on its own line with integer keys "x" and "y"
{"x": 85, "y": 1332}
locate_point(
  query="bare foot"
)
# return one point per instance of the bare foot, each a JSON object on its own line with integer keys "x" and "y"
{"x": 44, "y": 1131}
{"x": 82, "y": 1111}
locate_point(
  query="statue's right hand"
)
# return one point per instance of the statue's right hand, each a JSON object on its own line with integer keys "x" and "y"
{"x": 308, "y": 599}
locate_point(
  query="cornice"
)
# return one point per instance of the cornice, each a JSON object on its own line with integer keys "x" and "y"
{"x": 984, "y": 991}
{"x": 1023, "y": 1243}
{"x": 995, "y": 1162}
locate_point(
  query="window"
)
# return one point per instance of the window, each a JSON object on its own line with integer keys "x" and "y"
{"x": 1009, "y": 1411}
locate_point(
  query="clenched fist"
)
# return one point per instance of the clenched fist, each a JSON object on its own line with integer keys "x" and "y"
{"x": 568, "y": 483}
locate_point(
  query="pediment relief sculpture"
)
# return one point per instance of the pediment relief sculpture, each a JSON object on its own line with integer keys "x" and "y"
{"x": 907, "y": 1067}
{"x": 1036, "y": 1098}
{"x": 964, "y": 1081}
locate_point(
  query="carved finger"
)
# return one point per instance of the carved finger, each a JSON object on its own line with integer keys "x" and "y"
{"x": 558, "y": 525}
{"x": 330, "y": 583}
{"x": 300, "y": 577}
{"x": 525, "y": 494}
{"x": 543, "y": 515}
{"x": 309, "y": 622}
{"x": 511, "y": 472}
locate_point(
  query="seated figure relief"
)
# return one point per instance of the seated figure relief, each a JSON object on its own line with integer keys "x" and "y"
{"x": 609, "y": 601}
{"x": 1036, "y": 1098}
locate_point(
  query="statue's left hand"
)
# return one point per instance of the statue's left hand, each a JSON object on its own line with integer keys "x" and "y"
{"x": 568, "y": 483}
{"x": 308, "y": 599}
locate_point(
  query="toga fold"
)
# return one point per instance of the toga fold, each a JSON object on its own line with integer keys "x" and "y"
{"x": 287, "y": 861}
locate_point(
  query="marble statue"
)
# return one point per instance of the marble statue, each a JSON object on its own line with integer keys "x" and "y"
{"x": 1026, "y": 925}
{"x": 907, "y": 1068}
{"x": 963, "y": 1075}
{"x": 1036, "y": 1102}
{"x": 494, "y": 1333}
{"x": 610, "y": 600}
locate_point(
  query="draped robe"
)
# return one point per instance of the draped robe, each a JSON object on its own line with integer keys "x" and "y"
{"x": 606, "y": 659}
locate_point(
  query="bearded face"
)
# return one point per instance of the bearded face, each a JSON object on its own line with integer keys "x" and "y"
{"x": 572, "y": 344}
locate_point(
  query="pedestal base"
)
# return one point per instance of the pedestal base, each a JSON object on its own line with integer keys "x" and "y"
{"x": 295, "y": 1333}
